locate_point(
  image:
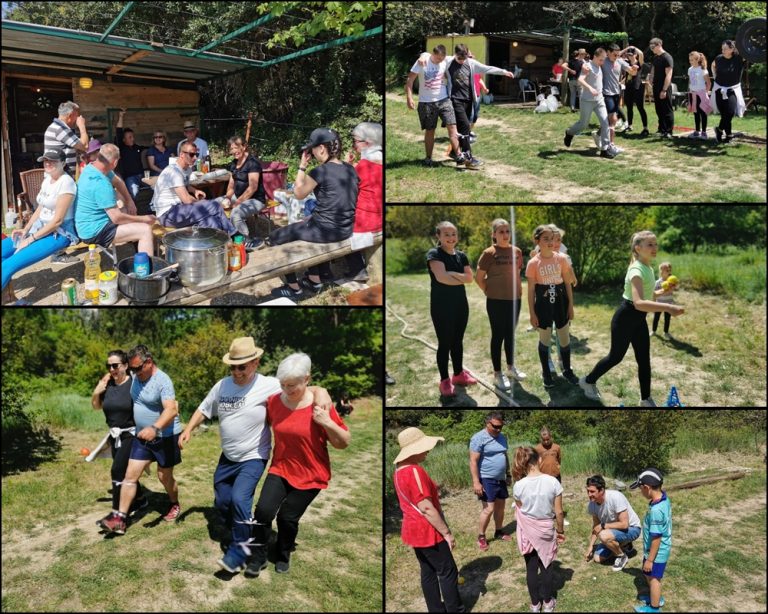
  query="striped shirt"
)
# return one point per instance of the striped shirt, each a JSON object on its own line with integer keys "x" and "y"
{"x": 57, "y": 136}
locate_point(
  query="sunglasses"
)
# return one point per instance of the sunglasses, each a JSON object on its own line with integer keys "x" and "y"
{"x": 135, "y": 369}
{"x": 158, "y": 136}
{"x": 238, "y": 367}
{"x": 190, "y": 154}
{"x": 113, "y": 365}
{"x": 496, "y": 427}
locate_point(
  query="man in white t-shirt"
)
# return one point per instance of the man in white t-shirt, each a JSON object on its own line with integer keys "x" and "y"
{"x": 240, "y": 401}
{"x": 614, "y": 523}
{"x": 433, "y": 100}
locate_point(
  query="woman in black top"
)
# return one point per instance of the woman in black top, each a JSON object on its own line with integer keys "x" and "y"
{"x": 335, "y": 184}
{"x": 113, "y": 395}
{"x": 634, "y": 94}
{"x": 449, "y": 272}
{"x": 727, "y": 70}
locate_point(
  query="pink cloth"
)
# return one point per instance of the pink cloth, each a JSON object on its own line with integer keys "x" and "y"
{"x": 477, "y": 79}
{"x": 536, "y": 534}
{"x": 706, "y": 103}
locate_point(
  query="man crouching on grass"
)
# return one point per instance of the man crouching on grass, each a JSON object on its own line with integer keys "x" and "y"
{"x": 657, "y": 536}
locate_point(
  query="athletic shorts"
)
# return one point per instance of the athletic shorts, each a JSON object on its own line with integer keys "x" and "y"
{"x": 164, "y": 450}
{"x": 657, "y": 570}
{"x": 612, "y": 103}
{"x": 106, "y": 235}
{"x": 430, "y": 111}
{"x": 493, "y": 489}
{"x": 551, "y": 305}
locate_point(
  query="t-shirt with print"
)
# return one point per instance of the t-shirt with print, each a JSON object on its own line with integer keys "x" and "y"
{"x": 240, "y": 175}
{"x": 49, "y": 193}
{"x": 502, "y": 274}
{"x": 660, "y": 63}
{"x": 614, "y": 503}
{"x": 242, "y": 412}
{"x": 658, "y": 523}
{"x": 336, "y": 194}
{"x": 95, "y": 195}
{"x": 412, "y": 485}
{"x": 148, "y": 400}
{"x": 537, "y": 494}
{"x": 165, "y": 196}
{"x": 433, "y": 83}
{"x": 493, "y": 454}
{"x": 611, "y": 73}
{"x": 60, "y": 136}
{"x": 460, "y": 88}
{"x": 696, "y": 76}
{"x": 645, "y": 272}
{"x": 548, "y": 271}
{"x": 301, "y": 445}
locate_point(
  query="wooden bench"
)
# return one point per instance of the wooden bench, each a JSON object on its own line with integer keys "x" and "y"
{"x": 271, "y": 262}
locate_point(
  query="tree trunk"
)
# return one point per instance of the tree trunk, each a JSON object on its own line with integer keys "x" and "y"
{"x": 716, "y": 478}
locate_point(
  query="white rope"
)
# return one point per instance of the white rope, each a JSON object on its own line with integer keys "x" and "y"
{"x": 480, "y": 381}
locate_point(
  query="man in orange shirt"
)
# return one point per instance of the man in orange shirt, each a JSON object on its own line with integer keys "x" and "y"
{"x": 550, "y": 455}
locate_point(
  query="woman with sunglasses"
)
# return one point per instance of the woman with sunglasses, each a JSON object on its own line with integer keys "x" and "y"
{"x": 113, "y": 395}
{"x": 158, "y": 155}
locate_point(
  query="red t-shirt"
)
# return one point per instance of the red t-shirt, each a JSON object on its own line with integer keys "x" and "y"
{"x": 413, "y": 484}
{"x": 300, "y": 453}
{"x": 368, "y": 216}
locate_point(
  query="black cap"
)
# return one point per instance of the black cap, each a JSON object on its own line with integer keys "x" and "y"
{"x": 649, "y": 477}
{"x": 57, "y": 155}
{"x": 320, "y": 136}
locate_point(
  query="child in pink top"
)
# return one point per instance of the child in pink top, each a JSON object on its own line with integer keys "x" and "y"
{"x": 550, "y": 299}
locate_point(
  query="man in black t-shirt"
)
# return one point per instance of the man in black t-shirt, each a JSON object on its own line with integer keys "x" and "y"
{"x": 661, "y": 73}
{"x": 574, "y": 70}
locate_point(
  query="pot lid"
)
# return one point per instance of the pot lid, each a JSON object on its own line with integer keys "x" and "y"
{"x": 195, "y": 238}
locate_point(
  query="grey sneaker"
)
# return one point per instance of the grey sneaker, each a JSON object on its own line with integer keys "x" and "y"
{"x": 590, "y": 390}
{"x": 62, "y": 258}
{"x": 502, "y": 382}
{"x": 649, "y": 402}
{"x": 620, "y": 562}
{"x": 472, "y": 162}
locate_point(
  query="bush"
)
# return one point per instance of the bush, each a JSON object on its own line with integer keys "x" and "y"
{"x": 407, "y": 255}
{"x": 634, "y": 440}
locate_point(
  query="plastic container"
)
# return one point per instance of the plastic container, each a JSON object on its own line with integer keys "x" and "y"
{"x": 240, "y": 244}
{"x": 92, "y": 272}
{"x": 108, "y": 288}
{"x": 234, "y": 258}
{"x": 141, "y": 265}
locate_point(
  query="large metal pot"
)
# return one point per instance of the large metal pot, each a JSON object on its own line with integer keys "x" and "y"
{"x": 142, "y": 291}
{"x": 201, "y": 254}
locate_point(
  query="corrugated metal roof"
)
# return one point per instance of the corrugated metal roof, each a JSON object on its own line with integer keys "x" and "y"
{"x": 29, "y": 45}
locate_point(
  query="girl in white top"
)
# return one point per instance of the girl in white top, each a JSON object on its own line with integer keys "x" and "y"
{"x": 698, "y": 95}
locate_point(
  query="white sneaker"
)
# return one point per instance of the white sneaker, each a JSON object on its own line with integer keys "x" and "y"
{"x": 703, "y": 135}
{"x": 549, "y": 606}
{"x": 619, "y": 127}
{"x": 530, "y": 329}
{"x": 649, "y": 402}
{"x": 616, "y": 150}
{"x": 566, "y": 523}
{"x": 537, "y": 607}
{"x": 652, "y": 333}
{"x": 502, "y": 382}
{"x": 590, "y": 390}
{"x": 516, "y": 374}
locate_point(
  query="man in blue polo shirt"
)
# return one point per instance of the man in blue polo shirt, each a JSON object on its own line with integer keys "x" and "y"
{"x": 657, "y": 536}
{"x": 489, "y": 466}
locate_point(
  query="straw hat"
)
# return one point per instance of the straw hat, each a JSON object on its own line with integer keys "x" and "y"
{"x": 190, "y": 124}
{"x": 413, "y": 441}
{"x": 242, "y": 350}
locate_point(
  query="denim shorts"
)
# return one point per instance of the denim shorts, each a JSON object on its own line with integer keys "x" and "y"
{"x": 612, "y": 102}
{"x": 493, "y": 489}
{"x": 622, "y": 537}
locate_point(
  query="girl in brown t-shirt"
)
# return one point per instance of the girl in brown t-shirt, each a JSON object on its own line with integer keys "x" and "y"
{"x": 498, "y": 275}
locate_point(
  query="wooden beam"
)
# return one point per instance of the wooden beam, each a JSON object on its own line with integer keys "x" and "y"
{"x": 737, "y": 475}
{"x": 134, "y": 57}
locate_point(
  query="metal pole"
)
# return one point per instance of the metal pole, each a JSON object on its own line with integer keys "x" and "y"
{"x": 514, "y": 293}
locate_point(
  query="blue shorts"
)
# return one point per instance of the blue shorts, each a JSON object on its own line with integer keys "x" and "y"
{"x": 612, "y": 102}
{"x": 493, "y": 489}
{"x": 164, "y": 450}
{"x": 657, "y": 571}
{"x": 623, "y": 537}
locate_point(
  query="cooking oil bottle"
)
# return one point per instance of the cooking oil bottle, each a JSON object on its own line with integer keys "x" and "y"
{"x": 92, "y": 272}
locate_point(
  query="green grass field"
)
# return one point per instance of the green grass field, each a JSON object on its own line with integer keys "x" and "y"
{"x": 526, "y": 161}
{"x": 54, "y": 558}
{"x": 716, "y": 357}
{"x": 717, "y": 562}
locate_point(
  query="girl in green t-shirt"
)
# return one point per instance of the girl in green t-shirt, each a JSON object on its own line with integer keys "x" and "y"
{"x": 629, "y": 325}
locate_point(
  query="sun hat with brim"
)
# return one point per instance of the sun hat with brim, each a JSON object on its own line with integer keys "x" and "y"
{"x": 190, "y": 125}
{"x": 93, "y": 145}
{"x": 413, "y": 441}
{"x": 650, "y": 477}
{"x": 242, "y": 350}
{"x": 57, "y": 155}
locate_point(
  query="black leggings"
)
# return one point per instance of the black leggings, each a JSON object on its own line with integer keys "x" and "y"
{"x": 538, "y": 577}
{"x": 727, "y": 110}
{"x": 120, "y": 457}
{"x": 664, "y": 111}
{"x": 279, "y": 498}
{"x": 463, "y": 110}
{"x": 628, "y": 326}
{"x": 667, "y": 318}
{"x": 633, "y": 97}
{"x": 450, "y": 321}
{"x": 438, "y": 571}
{"x": 503, "y": 316}
{"x": 700, "y": 117}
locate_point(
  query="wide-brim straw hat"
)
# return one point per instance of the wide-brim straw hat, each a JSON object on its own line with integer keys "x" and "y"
{"x": 242, "y": 350}
{"x": 413, "y": 441}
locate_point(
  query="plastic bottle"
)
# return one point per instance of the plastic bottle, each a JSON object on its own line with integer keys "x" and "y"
{"x": 108, "y": 288}
{"x": 239, "y": 243}
{"x": 141, "y": 264}
{"x": 207, "y": 164}
{"x": 92, "y": 272}
{"x": 234, "y": 257}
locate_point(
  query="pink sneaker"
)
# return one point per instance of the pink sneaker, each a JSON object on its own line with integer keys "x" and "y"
{"x": 463, "y": 379}
{"x": 446, "y": 388}
{"x": 173, "y": 513}
{"x": 482, "y": 543}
